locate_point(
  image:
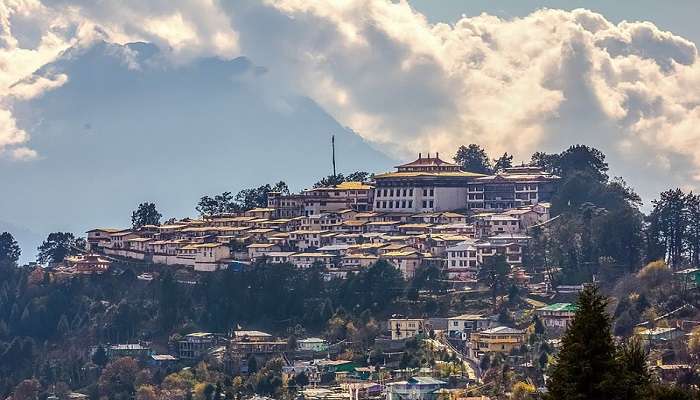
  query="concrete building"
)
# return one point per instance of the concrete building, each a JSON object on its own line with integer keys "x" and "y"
{"x": 416, "y": 388}
{"x": 463, "y": 326}
{"x": 514, "y": 187}
{"x": 557, "y": 315}
{"x": 462, "y": 261}
{"x": 425, "y": 185}
{"x": 500, "y": 339}
{"x": 195, "y": 345}
{"x": 404, "y": 328}
{"x": 312, "y": 344}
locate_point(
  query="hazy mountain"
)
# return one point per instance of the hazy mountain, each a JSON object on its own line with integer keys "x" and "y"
{"x": 125, "y": 129}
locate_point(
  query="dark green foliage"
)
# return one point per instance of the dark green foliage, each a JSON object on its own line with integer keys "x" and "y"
{"x": 59, "y": 245}
{"x": 99, "y": 357}
{"x": 586, "y": 366}
{"x": 9, "y": 249}
{"x": 503, "y": 162}
{"x": 494, "y": 274}
{"x": 473, "y": 159}
{"x": 219, "y": 204}
{"x": 145, "y": 214}
{"x": 337, "y": 179}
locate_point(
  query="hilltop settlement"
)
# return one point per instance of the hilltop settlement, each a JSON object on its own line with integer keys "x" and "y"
{"x": 469, "y": 279}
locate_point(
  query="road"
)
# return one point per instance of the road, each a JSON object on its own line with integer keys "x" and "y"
{"x": 469, "y": 366}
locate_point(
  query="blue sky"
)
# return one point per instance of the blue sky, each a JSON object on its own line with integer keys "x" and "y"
{"x": 678, "y": 16}
{"x": 105, "y": 105}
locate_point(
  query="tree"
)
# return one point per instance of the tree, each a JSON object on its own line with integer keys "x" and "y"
{"x": 586, "y": 366}
{"x": 9, "y": 249}
{"x": 118, "y": 380}
{"x": 220, "y": 204}
{"x": 522, "y": 391}
{"x": 57, "y": 246}
{"x": 503, "y": 162}
{"x": 145, "y": 214}
{"x": 582, "y": 159}
{"x": 28, "y": 389}
{"x": 473, "y": 159}
{"x": 668, "y": 226}
{"x": 99, "y": 357}
{"x": 494, "y": 274}
{"x": 548, "y": 162}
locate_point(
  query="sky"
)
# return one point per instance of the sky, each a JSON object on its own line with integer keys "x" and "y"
{"x": 107, "y": 104}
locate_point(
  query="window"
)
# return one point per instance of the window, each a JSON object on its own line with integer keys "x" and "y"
{"x": 391, "y": 192}
{"x": 432, "y": 192}
{"x": 403, "y": 203}
{"x": 425, "y": 192}
{"x": 410, "y": 204}
{"x": 431, "y": 204}
{"x": 410, "y": 192}
{"x": 425, "y": 204}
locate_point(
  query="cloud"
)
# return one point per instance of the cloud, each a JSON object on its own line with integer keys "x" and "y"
{"x": 519, "y": 85}
{"x": 512, "y": 85}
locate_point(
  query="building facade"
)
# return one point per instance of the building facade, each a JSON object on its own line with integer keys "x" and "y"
{"x": 424, "y": 185}
{"x": 514, "y": 187}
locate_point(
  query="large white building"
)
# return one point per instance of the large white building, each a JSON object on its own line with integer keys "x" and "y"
{"x": 511, "y": 188}
{"x": 424, "y": 185}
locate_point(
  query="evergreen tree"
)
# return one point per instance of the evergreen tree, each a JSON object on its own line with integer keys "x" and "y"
{"x": 473, "y": 159}
{"x": 503, "y": 162}
{"x": 145, "y": 214}
{"x": 587, "y": 367}
{"x": 9, "y": 249}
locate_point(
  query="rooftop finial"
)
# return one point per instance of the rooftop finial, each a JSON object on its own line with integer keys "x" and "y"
{"x": 420, "y": 156}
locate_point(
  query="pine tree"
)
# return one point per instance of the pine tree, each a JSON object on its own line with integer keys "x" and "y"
{"x": 587, "y": 366}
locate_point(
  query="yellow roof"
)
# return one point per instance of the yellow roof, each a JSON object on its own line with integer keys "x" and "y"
{"x": 311, "y": 255}
{"x": 400, "y": 254}
{"x": 447, "y": 174}
{"x": 353, "y": 185}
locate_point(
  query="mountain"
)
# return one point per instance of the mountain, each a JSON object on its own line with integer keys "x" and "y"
{"x": 128, "y": 128}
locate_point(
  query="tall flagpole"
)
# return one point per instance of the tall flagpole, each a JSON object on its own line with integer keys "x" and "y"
{"x": 333, "y": 149}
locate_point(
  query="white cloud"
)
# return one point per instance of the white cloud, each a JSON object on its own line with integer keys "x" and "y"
{"x": 407, "y": 85}
{"x": 23, "y": 154}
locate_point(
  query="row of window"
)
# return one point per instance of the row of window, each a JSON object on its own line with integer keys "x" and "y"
{"x": 427, "y": 192}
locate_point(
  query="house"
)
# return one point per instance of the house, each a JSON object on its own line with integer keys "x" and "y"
{"x": 312, "y": 344}
{"x": 403, "y": 328}
{"x": 557, "y": 315}
{"x": 658, "y": 335}
{"x": 418, "y": 388}
{"x": 258, "y": 250}
{"x": 462, "y": 261}
{"x": 194, "y": 346}
{"x": 425, "y": 185}
{"x": 405, "y": 261}
{"x": 204, "y": 256}
{"x": 306, "y": 260}
{"x": 100, "y": 237}
{"x": 139, "y": 351}
{"x": 500, "y": 339}
{"x": 463, "y": 325}
{"x": 347, "y": 195}
{"x": 88, "y": 263}
{"x": 688, "y": 279}
{"x": 358, "y": 260}
{"x": 513, "y": 187}
{"x": 278, "y": 257}
{"x": 162, "y": 361}
{"x": 250, "y": 336}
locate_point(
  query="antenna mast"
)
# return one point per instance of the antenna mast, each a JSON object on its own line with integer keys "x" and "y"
{"x": 333, "y": 149}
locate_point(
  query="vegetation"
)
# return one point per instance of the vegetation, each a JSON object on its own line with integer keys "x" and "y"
{"x": 56, "y": 247}
{"x": 244, "y": 200}
{"x": 145, "y": 214}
